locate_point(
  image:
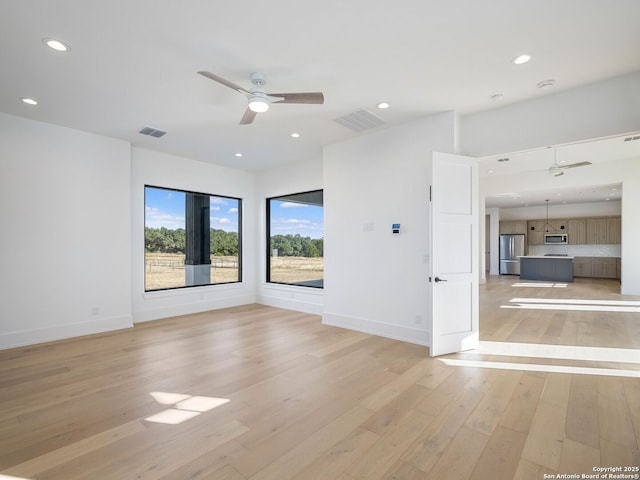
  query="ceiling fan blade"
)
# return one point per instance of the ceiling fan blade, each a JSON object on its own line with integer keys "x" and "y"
{"x": 224, "y": 82}
{"x": 579, "y": 164}
{"x": 248, "y": 117}
{"x": 308, "y": 97}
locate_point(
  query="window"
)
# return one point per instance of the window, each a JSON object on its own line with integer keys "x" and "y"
{"x": 295, "y": 244}
{"x": 190, "y": 239}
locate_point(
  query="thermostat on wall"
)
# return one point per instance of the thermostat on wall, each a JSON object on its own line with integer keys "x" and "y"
{"x": 395, "y": 228}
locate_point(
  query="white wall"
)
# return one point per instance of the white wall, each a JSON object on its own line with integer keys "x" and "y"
{"x": 298, "y": 177}
{"x": 375, "y": 281}
{"x": 66, "y": 232}
{"x": 494, "y": 233}
{"x": 610, "y": 107}
{"x": 163, "y": 170}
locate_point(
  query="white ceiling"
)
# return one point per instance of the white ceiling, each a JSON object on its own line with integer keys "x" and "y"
{"x": 133, "y": 64}
{"x": 532, "y": 165}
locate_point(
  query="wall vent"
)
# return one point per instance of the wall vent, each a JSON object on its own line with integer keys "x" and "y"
{"x": 360, "y": 120}
{"x": 152, "y": 132}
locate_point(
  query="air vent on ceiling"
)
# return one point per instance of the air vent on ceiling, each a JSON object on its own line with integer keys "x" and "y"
{"x": 360, "y": 120}
{"x": 152, "y": 132}
{"x": 503, "y": 159}
{"x": 630, "y": 139}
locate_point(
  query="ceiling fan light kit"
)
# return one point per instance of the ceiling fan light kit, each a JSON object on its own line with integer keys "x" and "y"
{"x": 258, "y": 104}
{"x": 259, "y": 100}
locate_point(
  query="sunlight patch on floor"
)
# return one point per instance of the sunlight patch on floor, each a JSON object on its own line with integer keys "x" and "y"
{"x": 530, "y": 367}
{"x": 578, "y": 301}
{"x": 185, "y": 408}
{"x": 563, "y": 352}
{"x": 557, "y": 306}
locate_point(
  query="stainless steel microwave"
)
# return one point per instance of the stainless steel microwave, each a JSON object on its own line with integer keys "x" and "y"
{"x": 556, "y": 239}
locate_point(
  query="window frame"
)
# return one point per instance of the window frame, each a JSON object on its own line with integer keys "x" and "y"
{"x": 210, "y": 195}
{"x": 268, "y": 239}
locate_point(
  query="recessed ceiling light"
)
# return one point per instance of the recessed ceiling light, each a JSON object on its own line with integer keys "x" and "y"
{"x": 383, "y": 105}
{"x": 56, "y": 45}
{"x": 295, "y": 135}
{"x": 490, "y": 171}
{"x": 238, "y": 154}
{"x": 29, "y": 101}
{"x": 520, "y": 59}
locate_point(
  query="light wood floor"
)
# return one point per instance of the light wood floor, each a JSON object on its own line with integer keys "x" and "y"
{"x": 262, "y": 393}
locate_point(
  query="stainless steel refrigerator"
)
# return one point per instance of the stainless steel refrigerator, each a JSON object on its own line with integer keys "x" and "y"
{"x": 511, "y": 247}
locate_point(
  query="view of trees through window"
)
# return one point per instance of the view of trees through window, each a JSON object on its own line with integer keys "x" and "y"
{"x": 190, "y": 239}
{"x": 295, "y": 239}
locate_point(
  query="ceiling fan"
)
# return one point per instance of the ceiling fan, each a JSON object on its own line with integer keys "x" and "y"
{"x": 557, "y": 169}
{"x": 260, "y": 100}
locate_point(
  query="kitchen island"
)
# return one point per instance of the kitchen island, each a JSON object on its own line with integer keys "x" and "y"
{"x": 550, "y": 268}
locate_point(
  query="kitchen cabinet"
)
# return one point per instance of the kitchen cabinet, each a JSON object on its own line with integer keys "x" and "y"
{"x": 577, "y": 230}
{"x": 596, "y": 267}
{"x": 535, "y": 232}
{"x": 556, "y": 226}
{"x": 581, "y": 231}
{"x": 597, "y": 231}
{"x": 614, "y": 230}
{"x": 582, "y": 267}
{"x": 604, "y": 267}
{"x": 550, "y": 269}
{"x": 513, "y": 226}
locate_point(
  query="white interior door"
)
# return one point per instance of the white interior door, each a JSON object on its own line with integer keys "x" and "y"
{"x": 454, "y": 254}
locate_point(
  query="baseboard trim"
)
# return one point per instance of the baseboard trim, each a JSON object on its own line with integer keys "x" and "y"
{"x": 189, "y": 308}
{"x": 395, "y": 332}
{"x": 61, "y": 332}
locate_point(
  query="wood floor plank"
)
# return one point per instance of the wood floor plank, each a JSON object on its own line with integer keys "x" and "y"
{"x": 488, "y": 412}
{"x": 338, "y": 458}
{"x": 461, "y": 456}
{"x": 579, "y": 458}
{"x": 35, "y": 466}
{"x": 544, "y": 441}
{"x": 435, "y": 440}
{"x": 396, "y": 440}
{"x": 521, "y": 408}
{"x": 308, "y": 449}
{"x": 582, "y": 411}
{"x": 501, "y": 456}
{"x": 614, "y": 419}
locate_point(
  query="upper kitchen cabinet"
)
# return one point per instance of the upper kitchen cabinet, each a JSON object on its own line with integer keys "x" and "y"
{"x": 614, "y": 230}
{"x": 556, "y": 226}
{"x": 535, "y": 232}
{"x": 604, "y": 231}
{"x": 597, "y": 231}
{"x": 513, "y": 226}
{"x": 577, "y": 230}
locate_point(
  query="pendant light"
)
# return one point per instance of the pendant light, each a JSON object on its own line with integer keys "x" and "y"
{"x": 546, "y": 225}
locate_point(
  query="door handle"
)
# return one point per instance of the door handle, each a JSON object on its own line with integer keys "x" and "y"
{"x": 438, "y": 279}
